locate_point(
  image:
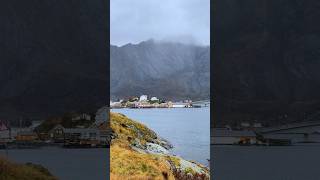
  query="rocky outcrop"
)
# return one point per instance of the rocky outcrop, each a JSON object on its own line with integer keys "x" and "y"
{"x": 133, "y": 142}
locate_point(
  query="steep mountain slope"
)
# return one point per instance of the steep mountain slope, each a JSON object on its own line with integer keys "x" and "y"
{"x": 53, "y": 57}
{"x": 267, "y": 61}
{"x": 163, "y": 69}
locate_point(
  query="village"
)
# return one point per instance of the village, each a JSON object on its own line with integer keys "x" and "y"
{"x": 256, "y": 134}
{"x": 144, "y": 102}
{"x": 73, "y": 130}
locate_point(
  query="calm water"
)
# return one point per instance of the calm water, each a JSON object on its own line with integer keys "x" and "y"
{"x": 188, "y": 129}
{"x": 266, "y": 163}
{"x": 66, "y": 164}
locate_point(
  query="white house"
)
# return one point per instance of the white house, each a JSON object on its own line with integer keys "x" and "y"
{"x": 143, "y": 98}
{"x": 154, "y": 99}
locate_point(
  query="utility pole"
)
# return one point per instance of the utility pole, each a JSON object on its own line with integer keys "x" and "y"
{"x": 6, "y": 144}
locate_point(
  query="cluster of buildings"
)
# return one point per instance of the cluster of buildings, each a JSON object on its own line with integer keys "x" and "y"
{"x": 144, "y": 102}
{"x": 288, "y": 134}
{"x": 96, "y": 135}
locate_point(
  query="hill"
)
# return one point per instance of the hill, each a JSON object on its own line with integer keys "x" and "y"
{"x": 136, "y": 152}
{"x": 13, "y": 171}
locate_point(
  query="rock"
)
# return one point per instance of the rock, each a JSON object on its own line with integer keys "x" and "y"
{"x": 185, "y": 165}
{"x": 136, "y": 143}
{"x": 156, "y": 149}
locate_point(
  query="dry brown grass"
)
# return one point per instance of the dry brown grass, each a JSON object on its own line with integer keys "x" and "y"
{"x": 128, "y": 129}
{"x": 128, "y": 164}
{"x": 14, "y": 171}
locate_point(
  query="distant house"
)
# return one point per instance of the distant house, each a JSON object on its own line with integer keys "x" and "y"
{"x": 82, "y": 116}
{"x": 26, "y": 136}
{"x": 4, "y": 132}
{"x": 61, "y": 134}
{"x": 245, "y": 124}
{"x": 34, "y": 124}
{"x": 143, "y": 98}
{"x": 227, "y": 136}
{"x": 257, "y": 125}
{"x": 3, "y": 126}
{"x": 102, "y": 115}
{"x": 154, "y": 99}
{"x": 57, "y": 133}
{"x": 115, "y": 104}
{"x": 81, "y": 134}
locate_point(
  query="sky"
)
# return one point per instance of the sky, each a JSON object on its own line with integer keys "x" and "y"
{"x": 133, "y": 21}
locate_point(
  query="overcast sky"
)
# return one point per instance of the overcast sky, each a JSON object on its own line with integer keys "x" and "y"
{"x": 133, "y": 21}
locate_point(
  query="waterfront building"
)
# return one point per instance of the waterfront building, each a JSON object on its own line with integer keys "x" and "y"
{"x": 115, "y": 104}
{"x": 26, "y": 136}
{"x": 102, "y": 115}
{"x": 143, "y": 98}
{"x": 245, "y": 124}
{"x": 300, "y": 132}
{"x": 154, "y": 99}
{"x": 227, "y": 136}
{"x": 4, "y": 132}
{"x": 61, "y": 134}
{"x": 257, "y": 125}
{"x": 34, "y": 124}
{"x": 82, "y": 116}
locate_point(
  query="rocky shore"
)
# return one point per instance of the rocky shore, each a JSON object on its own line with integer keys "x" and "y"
{"x": 139, "y": 153}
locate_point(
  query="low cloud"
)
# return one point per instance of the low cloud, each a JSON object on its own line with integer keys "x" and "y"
{"x": 186, "y": 21}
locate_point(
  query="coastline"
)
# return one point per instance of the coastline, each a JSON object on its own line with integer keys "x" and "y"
{"x": 140, "y": 151}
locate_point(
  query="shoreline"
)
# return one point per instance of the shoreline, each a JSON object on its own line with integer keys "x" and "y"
{"x": 134, "y": 138}
{"x": 175, "y": 125}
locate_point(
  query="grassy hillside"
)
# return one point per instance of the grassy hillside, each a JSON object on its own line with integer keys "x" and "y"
{"x": 13, "y": 171}
{"x": 131, "y": 157}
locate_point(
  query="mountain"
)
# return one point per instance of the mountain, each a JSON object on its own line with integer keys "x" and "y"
{"x": 266, "y": 61}
{"x": 167, "y": 70}
{"x": 53, "y": 57}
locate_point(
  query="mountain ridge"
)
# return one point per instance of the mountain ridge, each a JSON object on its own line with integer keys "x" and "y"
{"x": 164, "y": 69}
